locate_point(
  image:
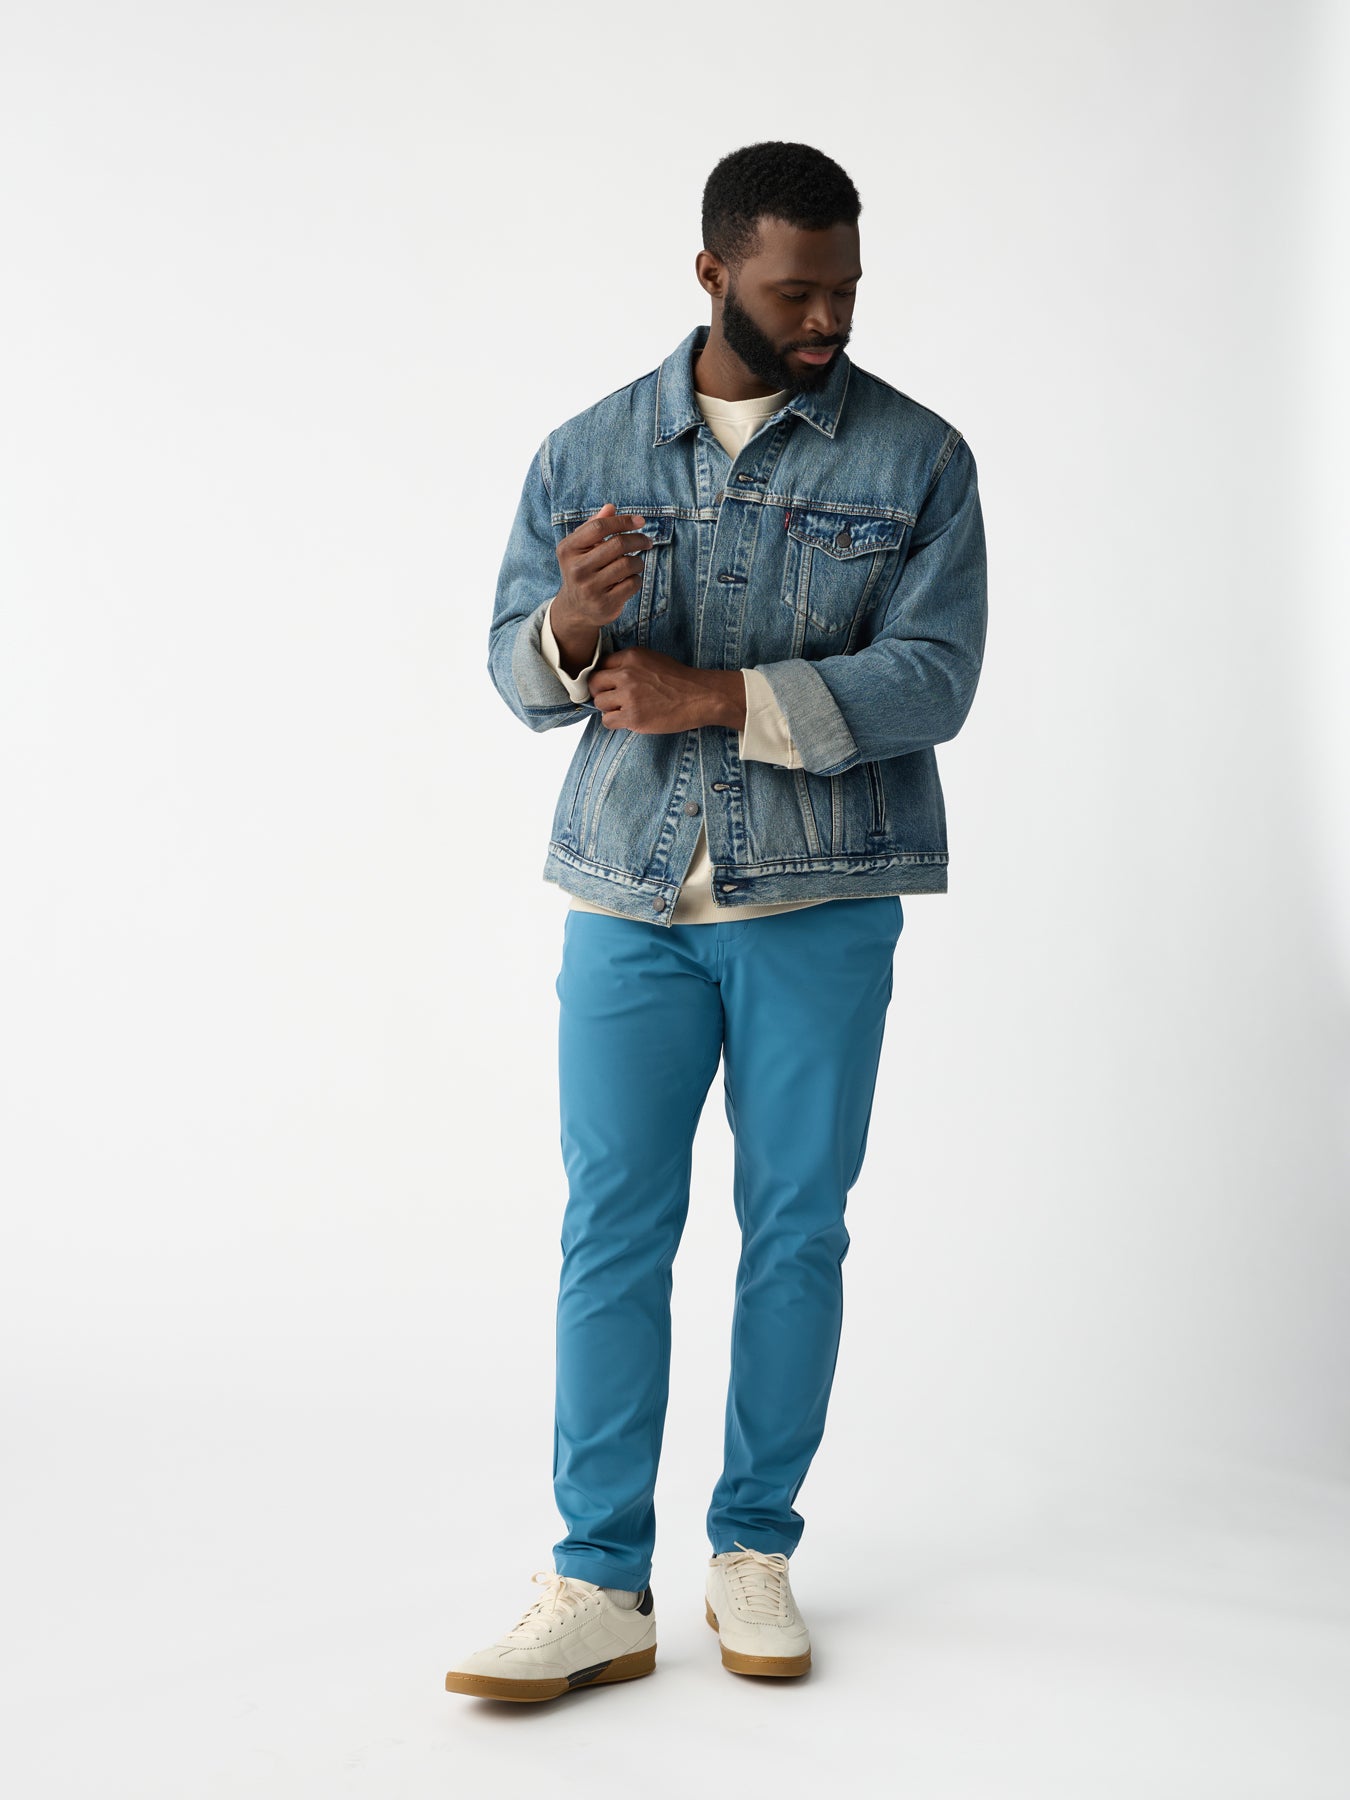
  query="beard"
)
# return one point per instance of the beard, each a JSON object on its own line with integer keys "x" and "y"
{"x": 761, "y": 356}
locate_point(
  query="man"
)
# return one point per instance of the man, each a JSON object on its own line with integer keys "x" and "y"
{"x": 757, "y": 573}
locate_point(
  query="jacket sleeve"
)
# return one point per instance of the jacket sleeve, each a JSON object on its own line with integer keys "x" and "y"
{"x": 527, "y": 582}
{"x": 913, "y": 685}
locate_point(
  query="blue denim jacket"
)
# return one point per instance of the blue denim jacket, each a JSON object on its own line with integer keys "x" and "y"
{"x": 842, "y": 555}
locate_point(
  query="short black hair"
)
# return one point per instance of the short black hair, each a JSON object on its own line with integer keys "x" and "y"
{"x": 793, "y": 182}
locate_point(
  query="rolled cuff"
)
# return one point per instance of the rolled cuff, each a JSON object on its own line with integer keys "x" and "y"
{"x": 821, "y": 738}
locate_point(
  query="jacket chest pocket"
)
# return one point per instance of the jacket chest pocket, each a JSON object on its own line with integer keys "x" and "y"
{"x": 633, "y": 625}
{"x": 837, "y": 565}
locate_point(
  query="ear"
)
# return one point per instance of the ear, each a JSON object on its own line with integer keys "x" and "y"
{"x": 712, "y": 274}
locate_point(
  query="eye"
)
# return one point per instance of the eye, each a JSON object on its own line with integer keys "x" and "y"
{"x": 844, "y": 294}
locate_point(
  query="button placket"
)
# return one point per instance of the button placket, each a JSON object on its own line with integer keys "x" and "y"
{"x": 735, "y": 530}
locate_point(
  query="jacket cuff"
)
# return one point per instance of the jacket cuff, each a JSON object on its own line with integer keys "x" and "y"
{"x": 814, "y": 722}
{"x": 765, "y": 736}
{"x": 539, "y": 684}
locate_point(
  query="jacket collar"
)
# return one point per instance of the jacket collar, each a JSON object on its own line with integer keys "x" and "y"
{"x": 677, "y": 411}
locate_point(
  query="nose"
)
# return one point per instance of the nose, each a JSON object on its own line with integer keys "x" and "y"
{"x": 823, "y": 321}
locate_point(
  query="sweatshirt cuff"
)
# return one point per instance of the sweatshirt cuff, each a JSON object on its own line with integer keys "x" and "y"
{"x": 765, "y": 736}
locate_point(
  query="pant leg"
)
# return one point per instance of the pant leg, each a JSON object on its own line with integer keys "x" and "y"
{"x": 639, "y": 1041}
{"x": 805, "y": 996}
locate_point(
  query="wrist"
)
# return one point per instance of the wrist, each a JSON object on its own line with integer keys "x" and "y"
{"x": 726, "y": 694}
{"x": 577, "y": 641}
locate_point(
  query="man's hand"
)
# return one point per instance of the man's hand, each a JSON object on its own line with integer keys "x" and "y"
{"x": 638, "y": 689}
{"x": 600, "y": 563}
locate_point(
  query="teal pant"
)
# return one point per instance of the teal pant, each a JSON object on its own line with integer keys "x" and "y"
{"x": 793, "y": 1005}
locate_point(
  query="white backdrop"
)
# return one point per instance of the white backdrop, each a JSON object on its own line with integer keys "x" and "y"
{"x": 291, "y": 293}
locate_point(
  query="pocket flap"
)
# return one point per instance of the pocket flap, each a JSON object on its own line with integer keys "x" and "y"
{"x": 843, "y": 535}
{"x": 658, "y": 528}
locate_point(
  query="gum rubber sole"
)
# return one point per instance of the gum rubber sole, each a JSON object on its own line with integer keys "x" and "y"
{"x": 500, "y": 1687}
{"x": 743, "y": 1664}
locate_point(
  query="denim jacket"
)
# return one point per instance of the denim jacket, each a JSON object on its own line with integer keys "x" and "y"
{"x": 841, "y": 554}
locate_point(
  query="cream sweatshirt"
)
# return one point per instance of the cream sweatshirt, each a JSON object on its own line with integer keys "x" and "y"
{"x": 765, "y": 736}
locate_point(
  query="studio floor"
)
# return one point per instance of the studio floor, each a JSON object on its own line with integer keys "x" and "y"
{"x": 215, "y": 1590}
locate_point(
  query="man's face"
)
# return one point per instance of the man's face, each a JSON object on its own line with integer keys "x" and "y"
{"x": 796, "y": 293}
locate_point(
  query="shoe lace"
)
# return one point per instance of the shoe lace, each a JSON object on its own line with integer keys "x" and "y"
{"x": 561, "y": 1596}
{"x": 758, "y": 1581}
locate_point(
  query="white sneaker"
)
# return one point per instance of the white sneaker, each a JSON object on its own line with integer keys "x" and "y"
{"x": 749, "y": 1605}
{"x": 575, "y": 1636}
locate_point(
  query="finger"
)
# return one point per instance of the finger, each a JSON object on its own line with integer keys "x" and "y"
{"x": 615, "y": 705}
{"x": 605, "y": 524}
{"x": 622, "y": 579}
{"x": 608, "y": 568}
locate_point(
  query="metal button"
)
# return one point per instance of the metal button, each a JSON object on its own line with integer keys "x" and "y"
{"x": 726, "y": 575}
{"x": 844, "y": 539}
{"x": 719, "y": 785}
{"x": 659, "y": 904}
{"x": 729, "y": 887}
{"x": 745, "y": 478}
{"x": 691, "y": 807}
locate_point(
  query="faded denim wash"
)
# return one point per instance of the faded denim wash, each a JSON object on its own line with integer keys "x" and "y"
{"x": 841, "y": 553}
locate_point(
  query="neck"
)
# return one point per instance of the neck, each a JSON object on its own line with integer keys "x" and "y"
{"x": 721, "y": 375}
